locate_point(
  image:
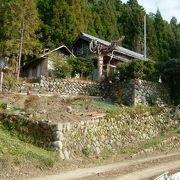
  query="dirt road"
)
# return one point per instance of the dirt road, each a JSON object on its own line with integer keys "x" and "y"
{"x": 132, "y": 169}
{"x": 150, "y": 172}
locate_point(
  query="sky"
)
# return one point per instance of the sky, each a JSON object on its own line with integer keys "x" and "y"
{"x": 168, "y": 8}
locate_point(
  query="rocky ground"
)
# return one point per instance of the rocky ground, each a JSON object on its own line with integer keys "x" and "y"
{"x": 56, "y": 108}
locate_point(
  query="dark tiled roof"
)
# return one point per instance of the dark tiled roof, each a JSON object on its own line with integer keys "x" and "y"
{"x": 122, "y": 50}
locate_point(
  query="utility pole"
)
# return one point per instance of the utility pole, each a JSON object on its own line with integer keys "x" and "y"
{"x": 145, "y": 37}
{"x": 20, "y": 49}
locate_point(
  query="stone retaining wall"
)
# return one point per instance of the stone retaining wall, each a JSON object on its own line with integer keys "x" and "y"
{"x": 131, "y": 92}
{"x": 65, "y": 87}
{"x": 107, "y": 134}
{"x": 136, "y": 92}
{"x": 39, "y": 133}
{"x": 112, "y": 133}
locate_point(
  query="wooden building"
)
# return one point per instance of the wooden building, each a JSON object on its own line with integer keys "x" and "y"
{"x": 43, "y": 64}
{"x": 118, "y": 55}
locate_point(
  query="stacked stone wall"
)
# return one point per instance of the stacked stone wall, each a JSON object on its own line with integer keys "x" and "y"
{"x": 136, "y": 91}
{"x": 131, "y": 92}
{"x": 111, "y": 133}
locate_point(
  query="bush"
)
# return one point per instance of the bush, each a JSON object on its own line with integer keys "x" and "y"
{"x": 170, "y": 71}
{"x": 61, "y": 68}
{"x": 82, "y": 66}
{"x": 137, "y": 69}
{"x": 10, "y": 81}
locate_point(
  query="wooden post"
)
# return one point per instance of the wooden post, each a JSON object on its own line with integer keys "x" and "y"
{"x": 1, "y": 82}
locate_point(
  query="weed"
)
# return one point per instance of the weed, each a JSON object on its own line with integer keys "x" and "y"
{"x": 31, "y": 103}
{"x": 15, "y": 108}
{"x": 86, "y": 151}
{"x": 152, "y": 143}
{"x": 10, "y": 81}
{"x": 18, "y": 96}
{"x": 107, "y": 154}
{"x": 177, "y": 129}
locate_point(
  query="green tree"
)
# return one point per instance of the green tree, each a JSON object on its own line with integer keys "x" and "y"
{"x": 60, "y": 67}
{"x": 162, "y": 37}
{"x": 138, "y": 69}
{"x": 132, "y": 20}
{"x": 171, "y": 75}
{"x": 175, "y": 42}
{"x": 81, "y": 66}
{"x": 18, "y": 27}
{"x": 64, "y": 21}
{"x": 152, "y": 43}
{"x": 105, "y": 18}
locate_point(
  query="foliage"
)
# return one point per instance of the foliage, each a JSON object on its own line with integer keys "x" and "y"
{"x": 170, "y": 71}
{"x": 56, "y": 22}
{"x": 81, "y": 66}
{"x": 61, "y": 68}
{"x": 10, "y": 81}
{"x": 62, "y": 20}
{"x": 19, "y": 16}
{"x": 31, "y": 102}
{"x": 137, "y": 69}
{"x": 86, "y": 151}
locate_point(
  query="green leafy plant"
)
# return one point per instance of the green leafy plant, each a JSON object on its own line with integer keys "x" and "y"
{"x": 81, "y": 66}
{"x": 61, "y": 68}
{"x": 10, "y": 81}
{"x": 86, "y": 151}
{"x": 137, "y": 69}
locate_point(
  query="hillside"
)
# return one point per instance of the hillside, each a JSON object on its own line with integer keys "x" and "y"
{"x": 55, "y": 22}
{"x": 21, "y": 159}
{"x": 18, "y": 158}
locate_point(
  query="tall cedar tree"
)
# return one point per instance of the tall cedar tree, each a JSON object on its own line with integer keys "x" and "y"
{"x": 64, "y": 21}
{"x": 105, "y": 18}
{"x": 15, "y": 15}
{"x": 132, "y": 20}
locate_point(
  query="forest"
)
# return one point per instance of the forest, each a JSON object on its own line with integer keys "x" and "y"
{"x": 51, "y": 23}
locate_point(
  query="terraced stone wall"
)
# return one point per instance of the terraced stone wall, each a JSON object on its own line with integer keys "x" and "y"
{"x": 111, "y": 133}
{"x": 131, "y": 92}
{"x": 108, "y": 134}
{"x": 136, "y": 92}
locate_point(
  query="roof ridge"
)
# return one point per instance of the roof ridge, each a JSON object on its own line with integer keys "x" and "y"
{"x": 118, "y": 48}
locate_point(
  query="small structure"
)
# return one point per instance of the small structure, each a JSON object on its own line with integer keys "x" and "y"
{"x": 114, "y": 54}
{"x": 42, "y": 65}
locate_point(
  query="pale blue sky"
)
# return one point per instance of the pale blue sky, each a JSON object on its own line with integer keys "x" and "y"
{"x": 168, "y": 8}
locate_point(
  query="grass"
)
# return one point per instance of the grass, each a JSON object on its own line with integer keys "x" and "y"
{"x": 83, "y": 105}
{"x": 13, "y": 149}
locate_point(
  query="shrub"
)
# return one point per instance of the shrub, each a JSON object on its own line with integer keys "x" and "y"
{"x": 61, "y": 68}
{"x": 137, "y": 69}
{"x": 32, "y": 103}
{"x": 10, "y": 81}
{"x": 86, "y": 151}
{"x": 81, "y": 66}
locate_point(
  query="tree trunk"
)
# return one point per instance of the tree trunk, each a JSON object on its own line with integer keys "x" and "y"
{"x": 100, "y": 67}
